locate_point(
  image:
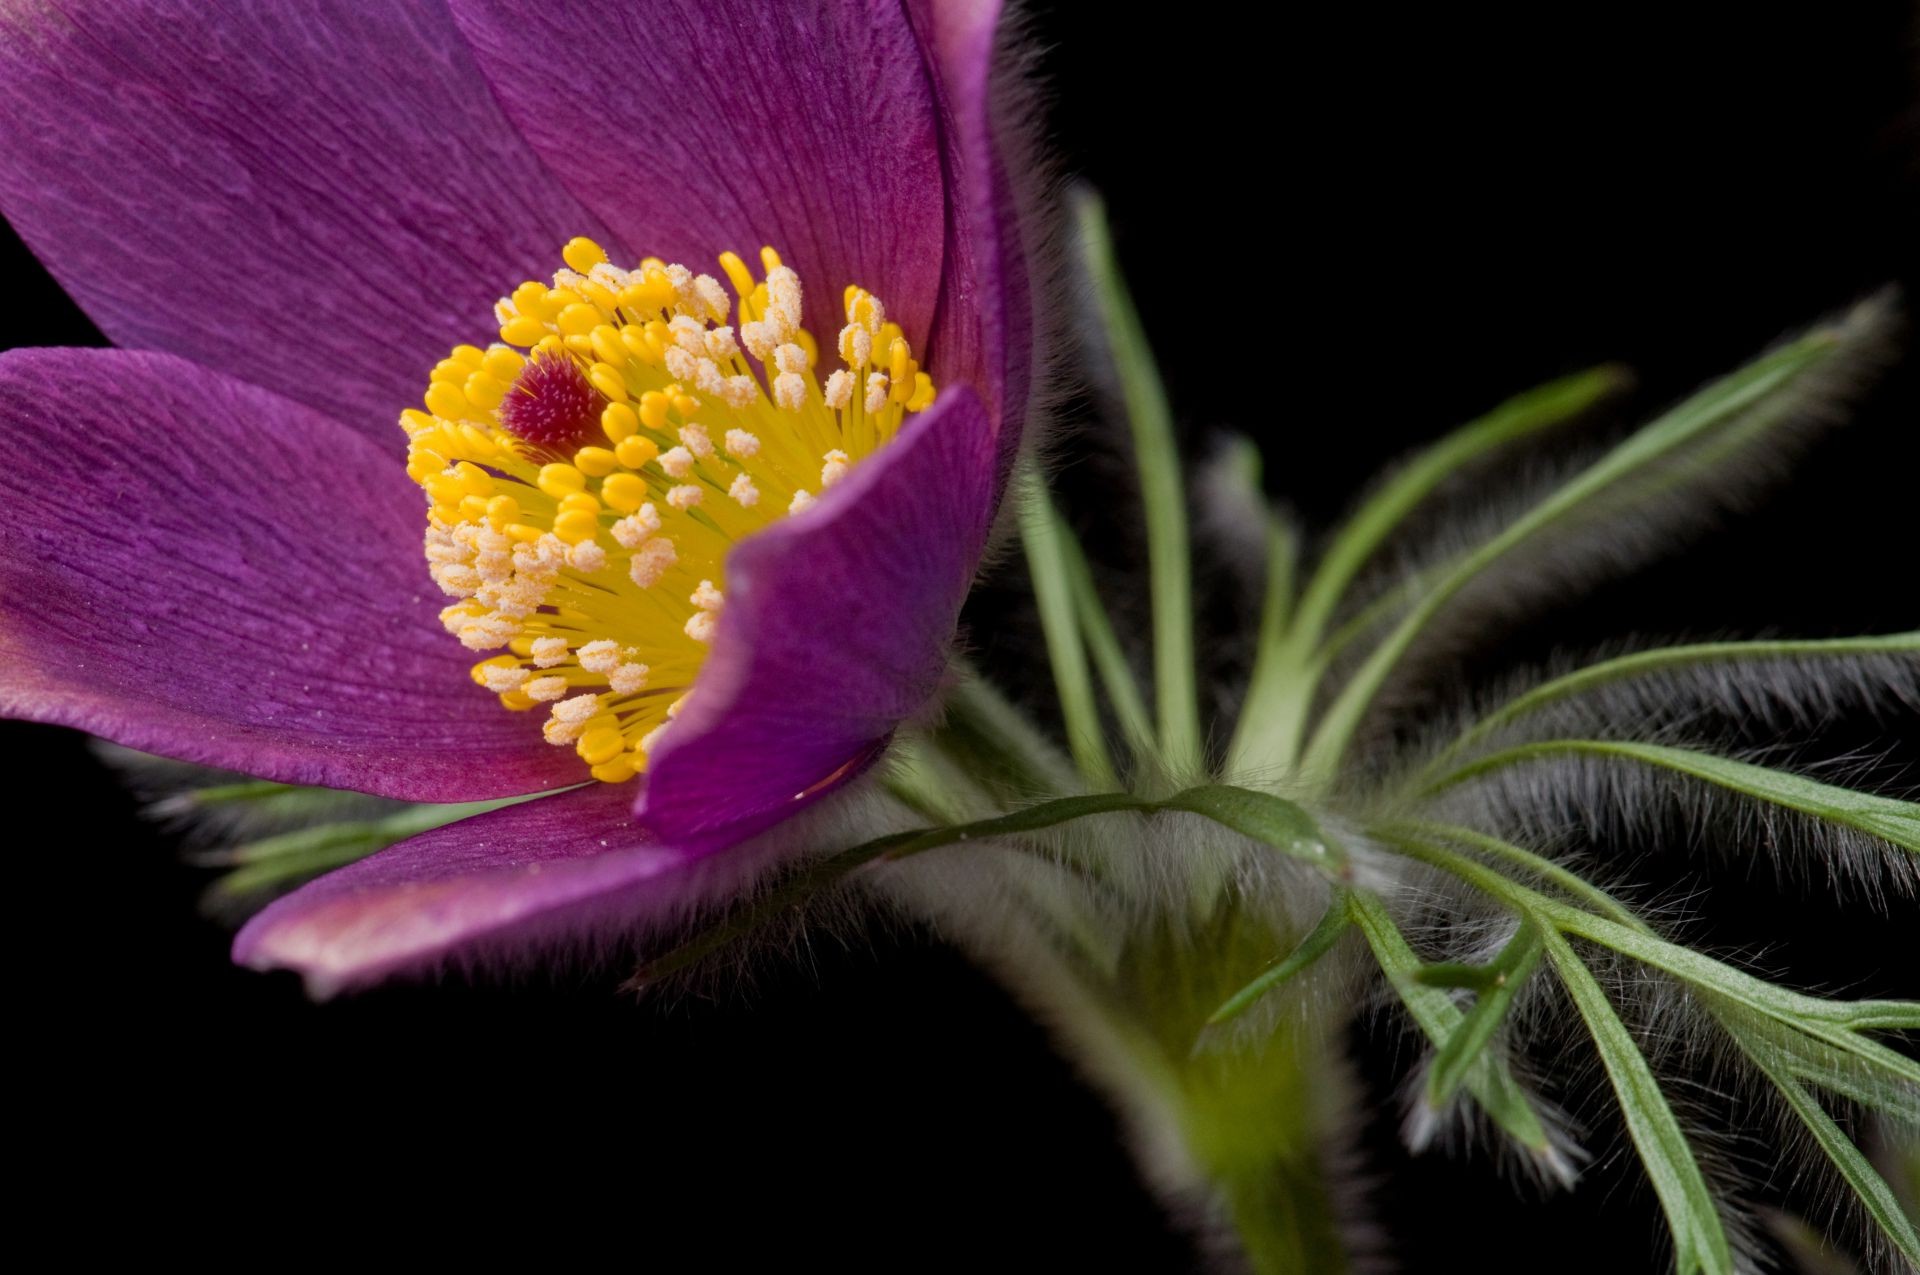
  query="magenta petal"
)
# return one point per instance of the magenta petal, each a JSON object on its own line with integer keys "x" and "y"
{"x": 196, "y": 567}
{"x": 986, "y": 322}
{"x": 806, "y": 126}
{"x": 553, "y": 873}
{"x": 836, "y": 630}
{"x": 321, "y": 198}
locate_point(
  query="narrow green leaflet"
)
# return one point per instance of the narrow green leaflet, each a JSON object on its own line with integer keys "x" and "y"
{"x": 1540, "y": 408}
{"x": 1043, "y": 535}
{"x": 1163, "y": 502}
{"x": 272, "y": 863}
{"x": 1511, "y": 970}
{"x": 1319, "y": 941}
{"x": 1487, "y": 1079}
{"x": 1642, "y": 662}
{"x": 1116, "y": 675}
{"x": 1838, "y": 1023}
{"x": 1700, "y": 1244}
{"x": 1727, "y": 400}
{"x": 1867, "y": 1184}
{"x": 1885, "y": 817}
{"x": 1263, "y": 817}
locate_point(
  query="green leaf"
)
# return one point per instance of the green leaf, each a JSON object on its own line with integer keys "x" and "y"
{"x": 1746, "y": 399}
{"x": 1458, "y": 976}
{"x": 1261, "y": 816}
{"x": 1885, "y": 817}
{"x": 1044, "y": 536}
{"x": 1319, "y": 941}
{"x": 1510, "y": 972}
{"x": 1162, "y": 499}
{"x": 1838, "y": 1023}
{"x": 1643, "y": 662}
{"x": 1700, "y": 1244}
{"x": 1487, "y": 1078}
{"x": 1109, "y": 661}
{"x": 1867, "y": 1184}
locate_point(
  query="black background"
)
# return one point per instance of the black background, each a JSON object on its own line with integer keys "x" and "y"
{"x": 1347, "y": 232}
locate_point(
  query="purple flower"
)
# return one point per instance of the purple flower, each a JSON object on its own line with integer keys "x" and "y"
{"x": 294, "y": 217}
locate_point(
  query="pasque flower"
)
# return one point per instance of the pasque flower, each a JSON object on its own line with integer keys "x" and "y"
{"x": 743, "y": 499}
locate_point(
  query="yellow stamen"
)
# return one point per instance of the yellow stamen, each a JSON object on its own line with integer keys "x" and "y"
{"x": 661, "y": 423}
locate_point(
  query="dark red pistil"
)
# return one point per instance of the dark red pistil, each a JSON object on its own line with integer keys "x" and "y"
{"x": 553, "y": 405}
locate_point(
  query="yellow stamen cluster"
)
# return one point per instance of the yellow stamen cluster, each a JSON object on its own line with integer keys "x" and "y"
{"x": 596, "y": 562}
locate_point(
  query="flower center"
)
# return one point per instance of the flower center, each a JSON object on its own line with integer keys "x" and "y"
{"x": 587, "y": 475}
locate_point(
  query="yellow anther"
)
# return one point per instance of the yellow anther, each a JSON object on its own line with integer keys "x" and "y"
{"x": 502, "y": 511}
{"x": 624, "y": 492}
{"x": 577, "y": 319}
{"x": 653, "y": 409}
{"x": 633, "y": 338}
{"x": 607, "y": 379}
{"x": 523, "y": 330}
{"x": 581, "y": 501}
{"x": 769, "y": 260}
{"x": 653, "y": 292}
{"x": 528, "y": 298}
{"x": 737, "y": 274}
{"x": 607, "y": 345}
{"x": 469, "y": 354}
{"x": 600, "y": 745}
{"x": 685, "y": 404}
{"x": 804, "y": 339}
{"x": 555, "y": 303}
{"x": 525, "y": 533}
{"x": 452, "y": 371}
{"x": 583, "y": 254}
{"x": 637, "y": 452}
{"x": 516, "y": 700}
{"x": 473, "y": 479}
{"x": 923, "y": 393}
{"x": 446, "y": 400}
{"x": 617, "y": 771}
{"x": 576, "y": 525}
{"x": 899, "y": 361}
{"x": 445, "y": 490}
{"x": 413, "y": 420}
{"x": 503, "y": 364}
{"x": 498, "y": 661}
{"x": 600, "y": 297}
{"x": 483, "y": 391}
{"x": 561, "y": 481}
{"x": 477, "y": 443}
{"x": 619, "y": 422}
{"x": 473, "y": 508}
{"x": 595, "y": 462}
{"x": 578, "y": 344}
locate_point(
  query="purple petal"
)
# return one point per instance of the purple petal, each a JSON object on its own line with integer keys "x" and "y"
{"x": 501, "y": 887}
{"x": 806, "y": 126}
{"x": 318, "y": 196}
{"x": 835, "y": 631}
{"x": 986, "y": 321}
{"x": 196, "y": 567}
